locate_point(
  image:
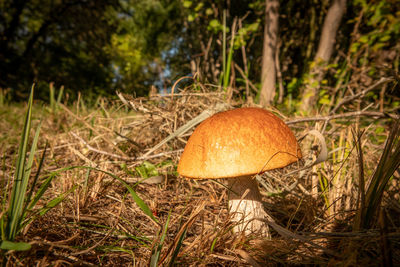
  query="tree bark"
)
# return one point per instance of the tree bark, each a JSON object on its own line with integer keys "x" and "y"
{"x": 268, "y": 70}
{"x": 324, "y": 53}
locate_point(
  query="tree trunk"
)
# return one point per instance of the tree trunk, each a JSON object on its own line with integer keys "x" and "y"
{"x": 324, "y": 53}
{"x": 268, "y": 71}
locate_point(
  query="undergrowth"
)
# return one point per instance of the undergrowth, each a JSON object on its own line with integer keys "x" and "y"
{"x": 118, "y": 206}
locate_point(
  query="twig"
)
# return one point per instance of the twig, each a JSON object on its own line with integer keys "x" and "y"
{"x": 100, "y": 151}
{"x": 144, "y": 157}
{"x": 245, "y": 77}
{"x": 187, "y": 94}
{"x": 176, "y": 83}
{"x": 343, "y": 115}
{"x": 345, "y": 100}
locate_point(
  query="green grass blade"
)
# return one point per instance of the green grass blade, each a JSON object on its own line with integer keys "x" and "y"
{"x": 223, "y": 73}
{"x": 55, "y": 201}
{"x": 156, "y": 253}
{"x": 18, "y": 246}
{"x": 34, "y": 182}
{"x": 27, "y": 174}
{"x": 17, "y": 193}
{"x": 51, "y": 204}
{"x": 178, "y": 247}
{"x": 387, "y": 165}
{"x": 3, "y": 216}
{"x": 42, "y": 189}
{"x": 165, "y": 229}
{"x": 142, "y": 205}
{"x": 52, "y": 98}
{"x": 60, "y": 94}
{"x": 227, "y": 70}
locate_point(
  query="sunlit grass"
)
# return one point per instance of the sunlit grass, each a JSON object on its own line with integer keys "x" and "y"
{"x": 115, "y": 217}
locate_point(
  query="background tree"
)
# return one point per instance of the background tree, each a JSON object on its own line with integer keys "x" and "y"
{"x": 143, "y": 44}
{"x": 60, "y": 41}
{"x": 100, "y": 46}
{"x": 268, "y": 69}
{"x": 324, "y": 53}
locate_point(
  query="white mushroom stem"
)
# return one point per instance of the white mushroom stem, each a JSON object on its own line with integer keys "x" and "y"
{"x": 246, "y": 207}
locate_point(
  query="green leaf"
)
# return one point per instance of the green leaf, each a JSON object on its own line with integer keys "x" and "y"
{"x": 314, "y": 84}
{"x": 147, "y": 169}
{"x": 354, "y": 47}
{"x": 209, "y": 11}
{"x": 378, "y": 46}
{"x": 18, "y": 246}
{"x": 214, "y": 24}
{"x": 187, "y": 4}
{"x": 253, "y": 27}
{"x": 379, "y": 130}
{"x": 41, "y": 191}
{"x": 199, "y": 7}
{"x": 324, "y": 101}
{"x": 364, "y": 39}
{"x": 385, "y": 38}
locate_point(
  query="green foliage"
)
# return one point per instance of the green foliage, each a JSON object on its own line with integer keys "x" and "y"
{"x": 146, "y": 170}
{"x": 215, "y": 26}
{"x": 245, "y": 33}
{"x": 145, "y": 30}
{"x": 383, "y": 27}
{"x": 62, "y": 41}
{"x": 100, "y": 46}
{"x": 17, "y": 207}
{"x": 324, "y": 97}
{"x": 15, "y": 212}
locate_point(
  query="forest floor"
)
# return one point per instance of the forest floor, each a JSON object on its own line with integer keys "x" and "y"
{"x": 100, "y": 223}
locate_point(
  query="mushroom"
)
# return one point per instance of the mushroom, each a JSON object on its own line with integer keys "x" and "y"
{"x": 238, "y": 144}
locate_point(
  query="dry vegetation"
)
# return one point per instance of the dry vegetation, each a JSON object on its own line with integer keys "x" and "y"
{"x": 100, "y": 224}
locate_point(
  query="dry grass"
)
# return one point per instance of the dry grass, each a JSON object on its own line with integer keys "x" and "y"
{"x": 100, "y": 224}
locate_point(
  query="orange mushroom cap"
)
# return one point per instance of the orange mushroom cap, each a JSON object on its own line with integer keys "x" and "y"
{"x": 238, "y": 142}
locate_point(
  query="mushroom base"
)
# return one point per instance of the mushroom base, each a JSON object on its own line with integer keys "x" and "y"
{"x": 246, "y": 208}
